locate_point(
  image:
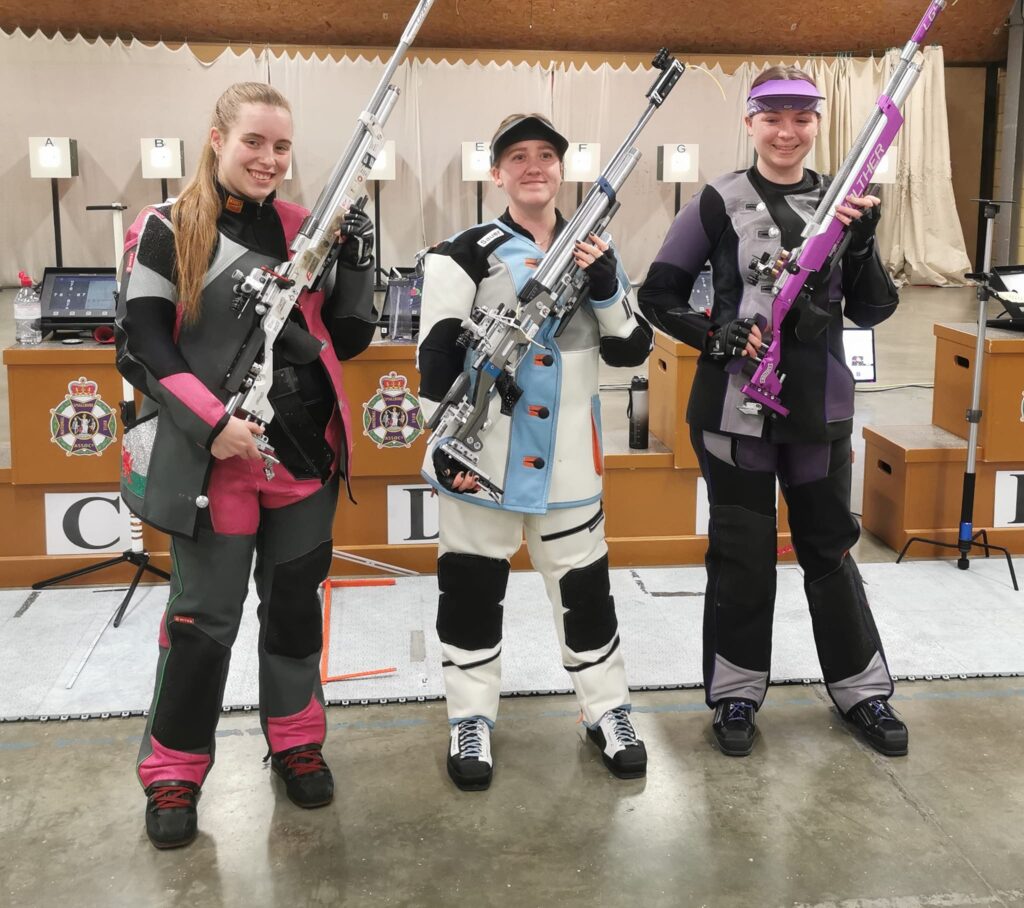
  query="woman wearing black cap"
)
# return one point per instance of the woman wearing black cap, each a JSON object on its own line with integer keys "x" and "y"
{"x": 734, "y": 219}
{"x": 547, "y": 456}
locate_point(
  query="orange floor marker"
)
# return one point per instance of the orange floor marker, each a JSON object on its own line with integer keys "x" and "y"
{"x": 325, "y": 654}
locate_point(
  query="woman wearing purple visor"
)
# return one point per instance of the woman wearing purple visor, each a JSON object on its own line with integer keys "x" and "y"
{"x": 733, "y": 220}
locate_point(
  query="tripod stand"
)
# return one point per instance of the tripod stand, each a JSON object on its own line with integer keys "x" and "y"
{"x": 967, "y": 538}
{"x": 136, "y": 554}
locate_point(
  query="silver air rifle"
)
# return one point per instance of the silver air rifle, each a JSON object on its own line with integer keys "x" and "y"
{"x": 498, "y": 339}
{"x": 824, "y": 234}
{"x": 274, "y": 292}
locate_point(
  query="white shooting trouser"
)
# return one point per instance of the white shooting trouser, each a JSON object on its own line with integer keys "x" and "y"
{"x": 567, "y": 546}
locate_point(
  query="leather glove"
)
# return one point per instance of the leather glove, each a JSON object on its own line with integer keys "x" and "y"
{"x": 730, "y": 339}
{"x": 862, "y": 230}
{"x": 357, "y": 235}
{"x": 446, "y": 468}
{"x": 603, "y": 275}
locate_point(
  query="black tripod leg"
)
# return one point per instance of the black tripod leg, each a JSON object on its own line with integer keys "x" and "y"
{"x": 155, "y": 570}
{"x": 119, "y": 614}
{"x": 81, "y": 572}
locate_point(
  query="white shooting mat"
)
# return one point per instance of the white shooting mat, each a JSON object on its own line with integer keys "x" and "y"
{"x": 934, "y": 620}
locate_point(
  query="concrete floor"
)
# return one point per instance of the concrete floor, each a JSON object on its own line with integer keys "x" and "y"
{"x": 812, "y": 818}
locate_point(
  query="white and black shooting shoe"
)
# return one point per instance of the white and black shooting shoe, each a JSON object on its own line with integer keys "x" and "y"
{"x": 622, "y": 751}
{"x": 469, "y": 755}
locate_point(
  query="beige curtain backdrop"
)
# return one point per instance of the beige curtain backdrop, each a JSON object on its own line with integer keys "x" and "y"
{"x": 107, "y": 96}
{"x": 920, "y": 237}
{"x": 456, "y": 103}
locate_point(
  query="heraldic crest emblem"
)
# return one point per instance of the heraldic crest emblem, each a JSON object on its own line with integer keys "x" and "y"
{"x": 392, "y": 417}
{"x": 82, "y": 424}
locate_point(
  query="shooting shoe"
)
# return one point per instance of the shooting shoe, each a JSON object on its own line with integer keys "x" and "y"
{"x": 734, "y": 727}
{"x": 307, "y": 777}
{"x": 171, "y": 819}
{"x": 879, "y": 726}
{"x": 469, "y": 755}
{"x": 621, "y": 750}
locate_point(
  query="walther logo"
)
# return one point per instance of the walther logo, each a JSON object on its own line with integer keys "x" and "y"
{"x": 873, "y": 161}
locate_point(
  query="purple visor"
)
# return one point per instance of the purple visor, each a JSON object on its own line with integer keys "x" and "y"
{"x": 785, "y": 94}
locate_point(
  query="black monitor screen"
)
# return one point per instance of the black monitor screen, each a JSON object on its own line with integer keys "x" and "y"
{"x": 78, "y": 295}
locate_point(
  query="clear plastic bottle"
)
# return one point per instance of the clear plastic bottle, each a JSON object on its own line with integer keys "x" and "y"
{"x": 27, "y": 313}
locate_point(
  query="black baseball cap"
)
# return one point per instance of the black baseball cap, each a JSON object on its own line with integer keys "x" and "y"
{"x": 522, "y": 128}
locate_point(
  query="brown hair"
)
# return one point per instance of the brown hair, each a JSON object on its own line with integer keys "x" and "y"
{"x": 195, "y": 212}
{"x": 781, "y": 71}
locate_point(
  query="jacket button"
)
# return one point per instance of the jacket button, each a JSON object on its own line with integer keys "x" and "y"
{"x": 543, "y": 359}
{"x": 536, "y": 462}
{"x": 202, "y": 502}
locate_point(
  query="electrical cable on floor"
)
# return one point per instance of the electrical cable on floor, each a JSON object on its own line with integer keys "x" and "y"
{"x": 927, "y": 385}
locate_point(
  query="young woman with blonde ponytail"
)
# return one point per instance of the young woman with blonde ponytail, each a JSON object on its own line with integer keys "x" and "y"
{"x": 194, "y": 471}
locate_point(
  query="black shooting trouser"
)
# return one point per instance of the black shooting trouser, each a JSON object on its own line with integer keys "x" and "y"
{"x": 739, "y": 601}
{"x": 209, "y": 584}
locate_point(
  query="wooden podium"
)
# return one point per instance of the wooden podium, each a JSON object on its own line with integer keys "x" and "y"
{"x": 66, "y": 441}
{"x": 913, "y": 475}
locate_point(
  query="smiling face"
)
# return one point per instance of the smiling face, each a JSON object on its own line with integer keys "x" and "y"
{"x": 782, "y": 140}
{"x": 530, "y": 172}
{"x": 253, "y": 156}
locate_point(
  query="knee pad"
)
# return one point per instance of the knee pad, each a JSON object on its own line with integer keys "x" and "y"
{"x": 294, "y": 621}
{"x": 589, "y": 619}
{"x": 188, "y": 697}
{"x": 469, "y": 609}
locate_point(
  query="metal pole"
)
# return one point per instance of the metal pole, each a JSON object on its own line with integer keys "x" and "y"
{"x": 56, "y": 221}
{"x": 379, "y": 268}
{"x": 966, "y": 534}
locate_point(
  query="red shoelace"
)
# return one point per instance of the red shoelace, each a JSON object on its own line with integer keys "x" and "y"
{"x": 171, "y": 796}
{"x": 303, "y": 762}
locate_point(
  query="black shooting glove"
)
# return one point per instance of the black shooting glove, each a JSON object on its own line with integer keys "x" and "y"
{"x": 603, "y": 275}
{"x": 357, "y": 239}
{"x": 446, "y": 468}
{"x": 862, "y": 230}
{"x": 730, "y": 339}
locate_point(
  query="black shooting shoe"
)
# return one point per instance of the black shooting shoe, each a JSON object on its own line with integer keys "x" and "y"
{"x": 734, "y": 727}
{"x": 879, "y": 726}
{"x": 621, "y": 750}
{"x": 307, "y": 777}
{"x": 469, "y": 755}
{"x": 171, "y": 819}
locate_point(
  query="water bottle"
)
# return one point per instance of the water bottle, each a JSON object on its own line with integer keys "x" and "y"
{"x": 27, "y": 313}
{"x": 637, "y": 412}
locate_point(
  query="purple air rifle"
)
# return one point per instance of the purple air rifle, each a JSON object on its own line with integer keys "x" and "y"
{"x": 824, "y": 233}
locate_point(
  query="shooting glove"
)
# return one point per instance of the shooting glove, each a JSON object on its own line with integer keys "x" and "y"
{"x": 357, "y": 235}
{"x": 862, "y": 231}
{"x": 730, "y": 339}
{"x": 446, "y": 468}
{"x": 603, "y": 275}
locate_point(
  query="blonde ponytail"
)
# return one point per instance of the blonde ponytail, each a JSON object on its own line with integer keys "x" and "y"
{"x": 195, "y": 212}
